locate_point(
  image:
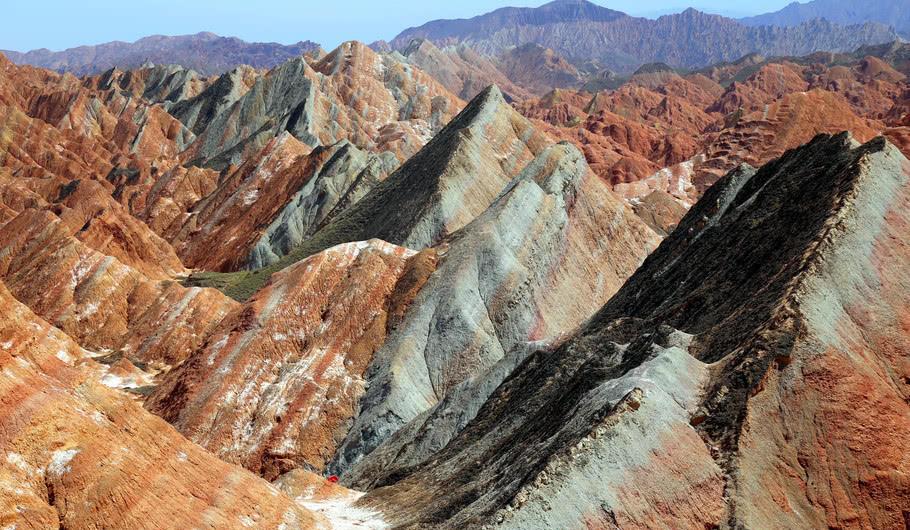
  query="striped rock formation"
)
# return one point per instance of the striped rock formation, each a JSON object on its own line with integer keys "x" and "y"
{"x": 375, "y": 101}
{"x": 546, "y": 255}
{"x": 103, "y": 303}
{"x": 79, "y": 455}
{"x": 280, "y": 378}
{"x": 753, "y": 373}
{"x": 550, "y": 249}
{"x": 451, "y": 181}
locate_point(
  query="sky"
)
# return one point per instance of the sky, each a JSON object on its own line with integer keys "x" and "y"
{"x": 60, "y": 24}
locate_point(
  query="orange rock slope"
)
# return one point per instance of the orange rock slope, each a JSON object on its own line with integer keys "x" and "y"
{"x": 670, "y": 134}
{"x": 79, "y": 455}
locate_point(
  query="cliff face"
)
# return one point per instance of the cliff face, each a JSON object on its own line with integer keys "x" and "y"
{"x": 582, "y": 32}
{"x": 662, "y": 409}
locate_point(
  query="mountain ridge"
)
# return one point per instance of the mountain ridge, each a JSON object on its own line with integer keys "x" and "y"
{"x": 205, "y": 52}
{"x": 582, "y": 31}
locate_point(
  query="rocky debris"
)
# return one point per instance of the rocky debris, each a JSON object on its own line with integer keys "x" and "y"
{"x": 582, "y": 31}
{"x": 80, "y": 455}
{"x": 207, "y": 53}
{"x": 731, "y": 381}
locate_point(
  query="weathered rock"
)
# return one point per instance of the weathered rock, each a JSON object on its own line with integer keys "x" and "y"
{"x": 80, "y": 455}
{"x": 281, "y": 377}
{"x": 790, "y": 285}
{"x": 98, "y": 300}
{"x": 451, "y": 181}
{"x": 551, "y": 250}
{"x": 460, "y": 69}
{"x": 374, "y": 101}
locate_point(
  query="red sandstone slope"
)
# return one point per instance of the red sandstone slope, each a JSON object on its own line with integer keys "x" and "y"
{"x": 662, "y": 132}
{"x": 79, "y": 455}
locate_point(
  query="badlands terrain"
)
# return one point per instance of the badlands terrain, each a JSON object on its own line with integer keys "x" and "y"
{"x": 451, "y": 282}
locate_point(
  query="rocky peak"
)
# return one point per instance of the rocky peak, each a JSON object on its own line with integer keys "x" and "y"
{"x": 719, "y": 359}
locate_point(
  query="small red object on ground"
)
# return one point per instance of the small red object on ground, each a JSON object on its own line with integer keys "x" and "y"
{"x": 333, "y": 479}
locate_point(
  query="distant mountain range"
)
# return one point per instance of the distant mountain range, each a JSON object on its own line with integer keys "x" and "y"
{"x": 582, "y": 31}
{"x": 890, "y": 12}
{"x": 206, "y": 53}
{"x": 589, "y": 37}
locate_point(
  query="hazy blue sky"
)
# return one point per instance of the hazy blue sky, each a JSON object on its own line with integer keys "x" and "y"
{"x": 58, "y": 24}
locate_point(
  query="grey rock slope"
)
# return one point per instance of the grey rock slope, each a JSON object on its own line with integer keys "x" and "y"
{"x": 699, "y": 381}
{"x": 206, "y": 53}
{"x": 582, "y": 31}
{"x": 448, "y": 183}
{"x": 442, "y": 188}
{"x": 156, "y": 84}
{"x": 374, "y": 101}
{"x": 343, "y": 180}
{"x": 552, "y": 248}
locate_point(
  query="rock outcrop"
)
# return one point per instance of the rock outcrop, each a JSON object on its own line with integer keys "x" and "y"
{"x": 375, "y": 101}
{"x": 664, "y": 135}
{"x": 451, "y": 181}
{"x": 282, "y": 375}
{"x": 536, "y": 264}
{"x": 732, "y": 380}
{"x": 460, "y": 69}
